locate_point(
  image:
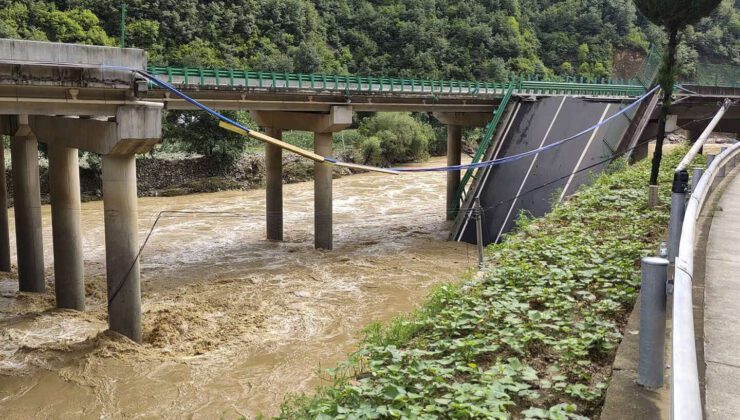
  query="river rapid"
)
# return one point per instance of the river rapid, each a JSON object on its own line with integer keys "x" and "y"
{"x": 232, "y": 323}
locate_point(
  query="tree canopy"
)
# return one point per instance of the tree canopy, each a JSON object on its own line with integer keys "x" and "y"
{"x": 673, "y": 16}
{"x": 676, "y": 13}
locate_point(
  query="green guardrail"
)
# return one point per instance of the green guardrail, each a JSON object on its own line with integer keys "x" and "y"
{"x": 532, "y": 84}
{"x": 242, "y": 78}
{"x": 715, "y": 75}
{"x": 484, "y": 144}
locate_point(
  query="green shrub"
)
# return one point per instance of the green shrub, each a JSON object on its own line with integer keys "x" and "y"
{"x": 368, "y": 151}
{"x": 402, "y": 138}
{"x": 438, "y": 143}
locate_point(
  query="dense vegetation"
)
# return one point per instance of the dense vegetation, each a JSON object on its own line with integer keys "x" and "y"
{"x": 533, "y": 335}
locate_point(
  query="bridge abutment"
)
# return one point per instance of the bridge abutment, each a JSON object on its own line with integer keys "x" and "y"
{"x": 274, "y": 186}
{"x": 64, "y": 186}
{"x": 27, "y": 207}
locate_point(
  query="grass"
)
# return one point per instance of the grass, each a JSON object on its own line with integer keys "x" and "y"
{"x": 532, "y": 336}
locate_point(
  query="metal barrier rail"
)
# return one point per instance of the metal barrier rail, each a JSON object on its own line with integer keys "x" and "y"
{"x": 273, "y": 80}
{"x": 484, "y": 144}
{"x": 685, "y": 391}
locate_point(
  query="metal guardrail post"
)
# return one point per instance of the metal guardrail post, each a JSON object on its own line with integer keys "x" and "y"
{"x": 478, "y": 214}
{"x": 678, "y": 207}
{"x": 710, "y": 158}
{"x": 695, "y": 178}
{"x": 721, "y": 170}
{"x": 652, "y": 322}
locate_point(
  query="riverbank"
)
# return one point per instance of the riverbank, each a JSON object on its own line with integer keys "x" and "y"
{"x": 534, "y": 335}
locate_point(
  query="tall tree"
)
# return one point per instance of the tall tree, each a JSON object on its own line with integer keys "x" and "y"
{"x": 673, "y": 16}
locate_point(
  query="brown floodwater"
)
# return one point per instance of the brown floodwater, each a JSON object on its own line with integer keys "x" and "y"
{"x": 232, "y": 323}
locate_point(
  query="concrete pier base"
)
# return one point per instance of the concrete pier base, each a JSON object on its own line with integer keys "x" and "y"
{"x": 274, "y": 186}
{"x": 322, "y": 193}
{"x": 27, "y": 207}
{"x": 4, "y": 229}
{"x": 454, "y": 151}
{"x": 64, "y": 186}
{"x": 121, "y": 245}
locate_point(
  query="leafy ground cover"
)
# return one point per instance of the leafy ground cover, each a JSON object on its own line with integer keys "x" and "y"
{"x": 533, "y": 335}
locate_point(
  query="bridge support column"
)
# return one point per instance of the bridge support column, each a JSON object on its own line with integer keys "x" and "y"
{"x": 322, "y": 193}
{"x": 274, "y": 186}
{"x": 455, "y": 121}
{"x": 454, "y": 151}
{"x": 121, "y": 245}
{"x": 27, "y": 204}
{"x": 4, "y": 228}
{"x": 64, "y": 186}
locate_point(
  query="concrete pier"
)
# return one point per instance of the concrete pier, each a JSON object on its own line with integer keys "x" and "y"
{"x": 27, "y": 207}
{"x": 322, "y": 125}
{"x": 122, "y": 245}
{"x": 455, "y": 121}
{"x": 454, "y": 151}
{"x": 64, "y": 186}
{"x": 322, "y": 193}
{"x": 115, "y": 124}
{"x": 4, "y": 230}
{"x": 274, "y": 186}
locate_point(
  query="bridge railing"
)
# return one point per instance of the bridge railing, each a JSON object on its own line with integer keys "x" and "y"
{"x": 244, "y": 79}
{"x": 685, "y": 389}
{"x": 715, "y": 75}
{"x": 484, "y": 144}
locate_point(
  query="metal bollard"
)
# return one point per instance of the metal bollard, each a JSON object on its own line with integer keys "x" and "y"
{"x": 651, "y": 360}
{"x": 721, "y": 169}
{"x": 479, "y": 231}
{"x": 695, "y": 178}
{"x": 678, "y": 208}
{"x": 710, "y": 159}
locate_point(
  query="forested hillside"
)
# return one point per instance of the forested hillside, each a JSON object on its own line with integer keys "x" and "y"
{"x": 461, "y": 39}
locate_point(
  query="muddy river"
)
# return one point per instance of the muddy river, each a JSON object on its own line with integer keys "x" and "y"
{"x": 232, "y": 323}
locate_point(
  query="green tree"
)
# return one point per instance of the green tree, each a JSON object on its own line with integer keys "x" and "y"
{"x": 673, "y": 16}
{"x": 198, "y": 132}
{"x": 402, "y": 138}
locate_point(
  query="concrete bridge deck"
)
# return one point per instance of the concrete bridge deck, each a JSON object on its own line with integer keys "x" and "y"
{"x": 721, "y": 306}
